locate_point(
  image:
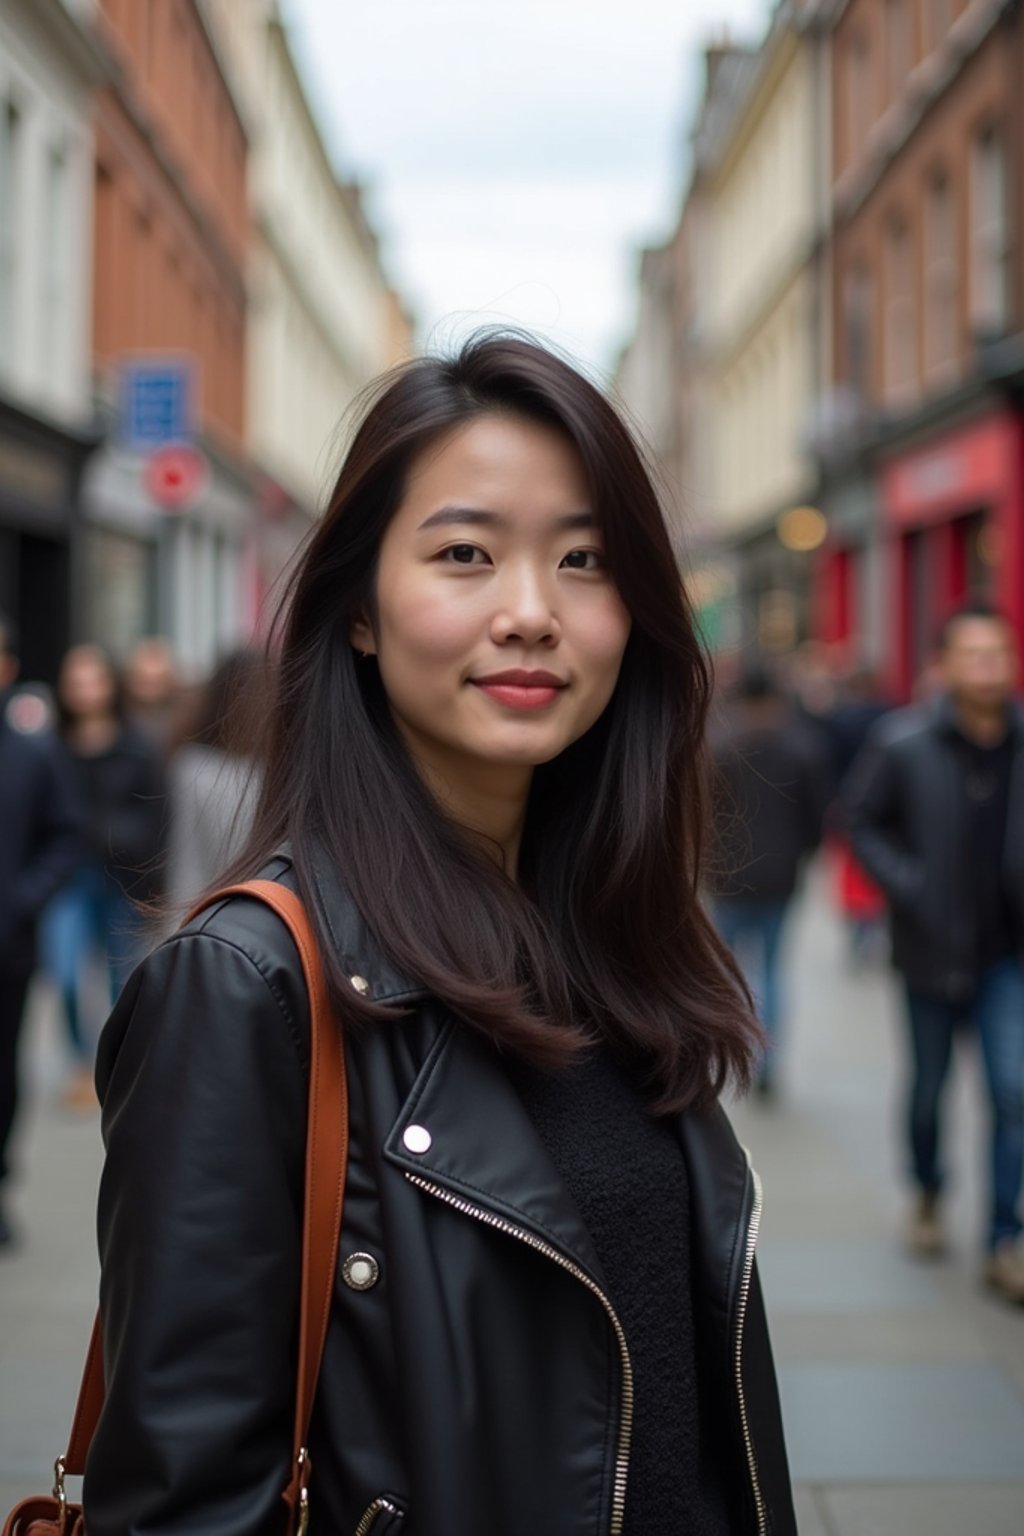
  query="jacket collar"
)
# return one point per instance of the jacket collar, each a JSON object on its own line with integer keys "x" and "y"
{"x": 359, "y": 950}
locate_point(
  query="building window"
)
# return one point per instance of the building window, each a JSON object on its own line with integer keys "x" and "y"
{"x": 857, "y": 321}
{"x": 899, "y": 354}
{"x": 940, "y": 277}
{"x": 989, "y": 236}
{"x": 859, "y": 95}
{"x": 56, "y": 249}
{"x": 10, "y": 198}
{"x": 898, "y": 52}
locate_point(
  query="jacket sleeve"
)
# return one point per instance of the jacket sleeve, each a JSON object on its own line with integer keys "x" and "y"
{"x": 57, "y": 833}
{"x": 873, "y": 808}
{"x": 200, "y": 1226}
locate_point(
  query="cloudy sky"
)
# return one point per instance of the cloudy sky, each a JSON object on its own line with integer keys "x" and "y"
{"x": 517, "y": 151}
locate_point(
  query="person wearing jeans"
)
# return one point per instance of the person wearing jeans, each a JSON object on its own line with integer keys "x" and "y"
{"x": 996, "y": 1010}
{"x": 753, "y": 931}
{"x": 771, "y": 786}
{"x": 936, "y": 810}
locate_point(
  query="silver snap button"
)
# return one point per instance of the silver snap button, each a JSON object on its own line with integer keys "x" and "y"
{"x": 360, "y": 1271}
{"x": 416, "y": 1138}
{"x": 359, "y": 984}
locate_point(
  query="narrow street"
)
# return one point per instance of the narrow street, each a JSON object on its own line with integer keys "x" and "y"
{"x": 903, "y": 1385}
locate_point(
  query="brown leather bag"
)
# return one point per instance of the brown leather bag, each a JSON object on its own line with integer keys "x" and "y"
{"x": 326, "y": 1160}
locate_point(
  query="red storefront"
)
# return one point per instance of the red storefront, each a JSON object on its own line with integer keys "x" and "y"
{"x": 953, "y": 520}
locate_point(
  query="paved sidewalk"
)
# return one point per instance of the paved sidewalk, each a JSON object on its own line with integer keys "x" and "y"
{"x": 903, "y": 1385}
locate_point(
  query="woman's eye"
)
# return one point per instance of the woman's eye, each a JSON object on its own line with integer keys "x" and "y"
{"x": 584, "y": 560}
{"x": 463, "y": 554}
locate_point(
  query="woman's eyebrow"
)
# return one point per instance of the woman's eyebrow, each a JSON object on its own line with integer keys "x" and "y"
{"x": 480, "y": 517}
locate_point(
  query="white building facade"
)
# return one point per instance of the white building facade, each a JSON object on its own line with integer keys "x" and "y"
{"x": 321, "y": 313}
{"x": 766, "y": 302}
{"x": 50, "y": 67}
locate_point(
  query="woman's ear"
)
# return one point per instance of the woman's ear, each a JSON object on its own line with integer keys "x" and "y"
{"x": 361, "y": 636}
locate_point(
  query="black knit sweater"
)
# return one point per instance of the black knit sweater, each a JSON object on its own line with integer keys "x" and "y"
{"x": 625, "y": 1171}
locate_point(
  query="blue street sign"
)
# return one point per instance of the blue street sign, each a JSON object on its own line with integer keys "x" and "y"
{"x": 157, "y": 401}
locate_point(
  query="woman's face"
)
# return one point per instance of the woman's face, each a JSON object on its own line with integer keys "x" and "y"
{"x": 86, "y": 685}
{"x": 499, "y": 634}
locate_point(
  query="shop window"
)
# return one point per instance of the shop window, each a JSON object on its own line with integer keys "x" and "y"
{"x": 899, "y": 356}
{"x": 989, "y": 233}
{"x": 940, "y": 278}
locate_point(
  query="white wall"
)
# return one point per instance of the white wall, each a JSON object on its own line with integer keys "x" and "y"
{"x": 46, "y": 179}
{"x": 760, "y": 298}
{"x": 319, "y": 317}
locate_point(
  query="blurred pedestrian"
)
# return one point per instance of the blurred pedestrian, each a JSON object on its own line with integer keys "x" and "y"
{"x": 40, "y": 845}
{"x": 213, "y": 776}
{"x": 152, "y": 690}
{"x": 936, "y": 807}
{"x": 771, "y": 789}
{"x": 484, "y": 782}
{"x": 123, "y": 791}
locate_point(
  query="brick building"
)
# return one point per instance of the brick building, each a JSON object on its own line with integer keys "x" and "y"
{"x": 169, "y": 257}
{"x": 922, "y": 444}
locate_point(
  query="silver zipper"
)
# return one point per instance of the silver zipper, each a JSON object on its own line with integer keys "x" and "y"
{"x": 741, "y": 1317}
{"x": 370, "y": 1515}
{"x": 626, "y": 1420}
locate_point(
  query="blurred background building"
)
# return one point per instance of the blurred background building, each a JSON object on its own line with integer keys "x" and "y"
{"x": 52, "y": 66}
{"x": 829, "y": 348}
{"x": 190, "y": 297}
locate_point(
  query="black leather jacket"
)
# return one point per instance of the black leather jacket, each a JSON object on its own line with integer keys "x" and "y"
{"x": 907, "y": 810}
{"x": 480, "y": 1387}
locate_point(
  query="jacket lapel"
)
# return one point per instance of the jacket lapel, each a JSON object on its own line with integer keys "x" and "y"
{"x": 464, "y": 1127}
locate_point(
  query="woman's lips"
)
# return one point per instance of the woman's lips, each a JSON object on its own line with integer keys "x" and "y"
{"x": 519, "y": 695}
{"x": 521, "y": 690}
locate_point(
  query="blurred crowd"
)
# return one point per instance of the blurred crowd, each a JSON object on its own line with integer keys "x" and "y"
{"x": 124, "y": 792}
{"x": 921, "y": 810}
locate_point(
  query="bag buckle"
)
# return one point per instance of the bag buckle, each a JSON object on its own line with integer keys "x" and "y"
{"x": 304, "y": 1471}
{"x": 60, "y": 1493}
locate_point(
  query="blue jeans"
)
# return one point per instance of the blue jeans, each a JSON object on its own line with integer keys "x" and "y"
{"x": 997, "y": 1010}
{"x": 753, "y": 931}
{"x": 91, "y": 915}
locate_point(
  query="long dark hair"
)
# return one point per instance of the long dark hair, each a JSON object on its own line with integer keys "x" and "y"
{"x": 228, "y": 711}
{"x": 605, "y": 932}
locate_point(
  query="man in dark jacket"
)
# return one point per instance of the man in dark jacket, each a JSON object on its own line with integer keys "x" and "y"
{"x": 771, "y": 789}
{"x": 936, "y": 807}
{"x": 39, "y": 848}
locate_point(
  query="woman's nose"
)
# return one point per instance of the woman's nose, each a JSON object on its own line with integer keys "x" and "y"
{"x": 525, "y": 610}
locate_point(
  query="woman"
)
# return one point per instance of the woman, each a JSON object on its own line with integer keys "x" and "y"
{"x": 485, "y": 780}
{"x": 212, "y": 777}
{"x": 124, "y": 798}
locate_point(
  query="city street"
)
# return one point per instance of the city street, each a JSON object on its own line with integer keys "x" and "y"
{"x": 903, "y": 1385}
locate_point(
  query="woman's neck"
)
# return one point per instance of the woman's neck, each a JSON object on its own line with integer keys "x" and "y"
{"x": 490, "y": 805}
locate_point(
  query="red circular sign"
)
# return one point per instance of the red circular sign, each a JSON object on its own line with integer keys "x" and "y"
{"x": 175, "y": 475}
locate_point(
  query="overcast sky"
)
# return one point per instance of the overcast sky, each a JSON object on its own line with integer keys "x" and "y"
{"x": 517, "y": 151}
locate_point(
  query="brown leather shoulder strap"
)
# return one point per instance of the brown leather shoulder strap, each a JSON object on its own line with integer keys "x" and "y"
{"x": 326, "y": 1161}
